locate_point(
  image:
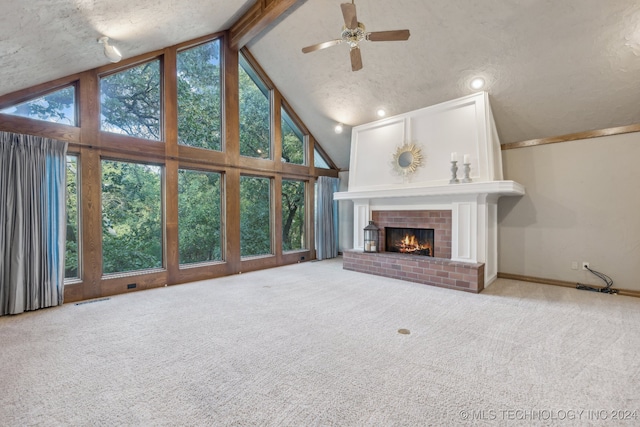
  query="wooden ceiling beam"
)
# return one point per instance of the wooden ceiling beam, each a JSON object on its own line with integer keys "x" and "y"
{"x": 257, "y": 19}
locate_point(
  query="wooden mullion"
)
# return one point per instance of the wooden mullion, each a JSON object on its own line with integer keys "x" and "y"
{"x": 170, "y": 132}
{"x": 276, "y": 129}
{"x": 41, "y": 128}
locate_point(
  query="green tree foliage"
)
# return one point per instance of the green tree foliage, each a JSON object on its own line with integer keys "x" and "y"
{"x": 255, "y": 131}
{"x": 293, "y": 226}
{"x": 292, "y": 141}
{"x": 131, "y": 216}
{"x": 71, "y": 252}
{"x": 57, "y": 107}
{"x": 130, "y": 101}
{"x": 255, "y": 216}
{"x": 199, "y": 117}
{"x": 199, "y": 216}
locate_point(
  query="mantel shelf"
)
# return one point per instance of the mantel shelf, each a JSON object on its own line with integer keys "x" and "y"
{"x": 495, "y": 188}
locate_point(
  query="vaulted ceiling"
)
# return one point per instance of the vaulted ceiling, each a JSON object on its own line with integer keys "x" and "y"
{"x": 551, "y": 67}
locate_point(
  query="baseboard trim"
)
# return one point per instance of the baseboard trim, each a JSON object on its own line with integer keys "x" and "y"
{"x": 553, "y": 282}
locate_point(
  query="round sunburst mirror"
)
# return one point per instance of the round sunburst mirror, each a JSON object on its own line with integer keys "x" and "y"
{"x": 406, "y": 159}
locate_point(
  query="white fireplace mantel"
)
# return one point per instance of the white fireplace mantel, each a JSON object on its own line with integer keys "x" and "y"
{"x": 450, "y": 191}
{"x": 462, "y": 128}
{"x": 474, "y": 215}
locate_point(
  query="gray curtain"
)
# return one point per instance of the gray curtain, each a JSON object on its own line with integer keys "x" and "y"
{"x": 326, "y": 221}
{"x": 32, "y": 222}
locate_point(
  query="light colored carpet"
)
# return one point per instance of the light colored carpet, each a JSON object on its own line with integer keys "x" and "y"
{"x": 314, "y": 345}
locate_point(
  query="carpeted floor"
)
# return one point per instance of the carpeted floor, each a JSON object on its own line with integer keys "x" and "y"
{"x": 314, "y": 345}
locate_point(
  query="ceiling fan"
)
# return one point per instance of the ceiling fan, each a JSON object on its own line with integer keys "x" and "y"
{"x": 353, "y": 32}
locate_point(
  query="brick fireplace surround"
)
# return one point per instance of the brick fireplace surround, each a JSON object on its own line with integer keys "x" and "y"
{"x": 439, "y": 270}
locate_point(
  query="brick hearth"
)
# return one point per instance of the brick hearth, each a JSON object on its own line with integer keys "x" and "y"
{"x": 421, "y": 269}
{"x": 439, "y": 270}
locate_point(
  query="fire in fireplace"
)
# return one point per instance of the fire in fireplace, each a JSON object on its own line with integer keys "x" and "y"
{"x": 415, "y": 241}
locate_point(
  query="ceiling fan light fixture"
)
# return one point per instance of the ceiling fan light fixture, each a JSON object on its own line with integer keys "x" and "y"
{"x": 354, "y": 32}
{"x": 110, "y": 52}
{"x": 339, "y": 128}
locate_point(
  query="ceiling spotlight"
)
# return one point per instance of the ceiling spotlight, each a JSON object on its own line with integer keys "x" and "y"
{"x": 381, "y": 113}
{"x": 477, "y": 83}
{"x": 110, "y": 52}
{"x": 339, "y": 128}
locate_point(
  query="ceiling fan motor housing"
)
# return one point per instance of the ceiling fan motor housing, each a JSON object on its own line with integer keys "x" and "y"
{"x": 353, "y": 36}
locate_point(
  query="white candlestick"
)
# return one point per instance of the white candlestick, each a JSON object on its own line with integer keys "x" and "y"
{"x": 454, "y": 157}
{"x": 466, "y": 159}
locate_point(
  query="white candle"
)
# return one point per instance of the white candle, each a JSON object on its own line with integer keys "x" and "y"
{"x": 373, "y": 248}
{"x": 466, "y": 159}
{"x": 454, "y": 157}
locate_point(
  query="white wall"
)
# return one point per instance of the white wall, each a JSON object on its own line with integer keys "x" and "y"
{"x": 582, "y": 204}
{"x": 463, "y": 125}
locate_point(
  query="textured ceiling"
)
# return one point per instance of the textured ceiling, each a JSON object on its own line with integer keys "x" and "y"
{"x": 552, "y": 67}
{"x": 41, "y": 40}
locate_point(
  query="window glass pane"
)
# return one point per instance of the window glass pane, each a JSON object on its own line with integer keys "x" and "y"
{"x": 199, "y": 216}
{"x": 71, "y": 261}
{"x": 57, "y": 107}
{"x": 131, "y": 216}
{"x": 130, "y": 102}
{"x": 319, "y": 161}
{"x": 255, "y": 131}
{"x": 292, "y": 141}
{"x": 255, "y": 216}
{"x": 199, "y": 96}
{"x": 293, "y": 226}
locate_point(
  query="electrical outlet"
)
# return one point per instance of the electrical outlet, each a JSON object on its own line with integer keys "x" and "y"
{"x": 585, "y": 265}
{"x": 574, "y": 265}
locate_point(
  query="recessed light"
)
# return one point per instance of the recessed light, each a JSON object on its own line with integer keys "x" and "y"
{"x": 477, "y": 83}
{"x": 381, "y": 113}
{"x": 338, "y": 128}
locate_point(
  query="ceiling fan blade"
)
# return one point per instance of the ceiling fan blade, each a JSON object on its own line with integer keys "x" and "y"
{"x": 384, "y": 36}
{"x": 321, "y": 46}
{"x": 356, "y": 59}
{"x": 349, "y": 14}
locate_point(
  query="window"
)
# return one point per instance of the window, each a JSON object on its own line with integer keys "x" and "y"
{"x": 199, "y": 99}
{"x": 131, "y": 216}
{"x": 293, "y": 148}
{"x": 319, "y": 161}
{"x": 255, "y": 129}
{"x": 293, "y": 215}
{"x": 255, "y": 216}
{"x": 130, "y": 102}
{"x": 72, "y": 260}
{"x": 57, "y": 107}
{"x": 199, "y": 216}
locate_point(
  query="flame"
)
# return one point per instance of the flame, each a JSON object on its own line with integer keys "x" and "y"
{"x": 410, "y": 244}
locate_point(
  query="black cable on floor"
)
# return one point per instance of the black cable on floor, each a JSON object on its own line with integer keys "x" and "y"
{"x": 606, "y": 279}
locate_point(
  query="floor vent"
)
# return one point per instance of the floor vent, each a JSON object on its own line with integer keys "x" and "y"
{"x": 92, "y": 301}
